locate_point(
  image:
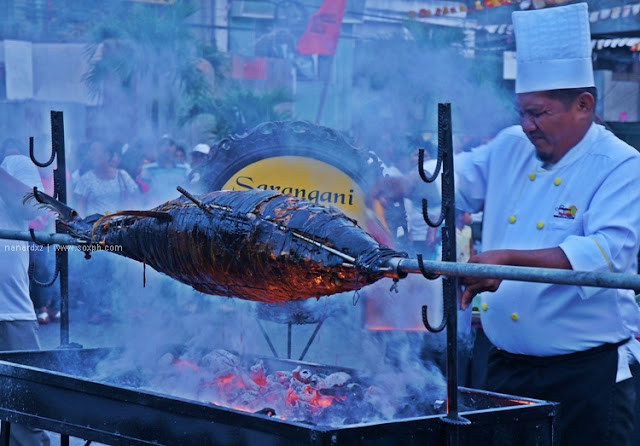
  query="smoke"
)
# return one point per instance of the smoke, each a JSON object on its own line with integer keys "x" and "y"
{"x": 397, "y": 84}
{"x": 400, "y": 81}
{"x": 167, "y": 338}
{"x": 174, "y": 350}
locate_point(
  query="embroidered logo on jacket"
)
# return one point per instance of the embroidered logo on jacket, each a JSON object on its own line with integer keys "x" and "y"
{"x": 566, "y": 212}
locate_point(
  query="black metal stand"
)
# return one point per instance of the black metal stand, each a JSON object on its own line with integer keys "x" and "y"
{"x": 60, "y": 193}
{"x": 289, "y": 336}
{"x": 449, "y": 287}
{"x": 62, "y": 256}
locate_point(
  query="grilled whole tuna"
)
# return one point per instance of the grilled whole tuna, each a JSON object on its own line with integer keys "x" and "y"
{"x": 256, "y": 245}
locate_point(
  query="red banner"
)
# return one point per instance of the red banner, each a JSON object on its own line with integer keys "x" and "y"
{"x": 248, "y": 67}
{"x": 323, "y": 29}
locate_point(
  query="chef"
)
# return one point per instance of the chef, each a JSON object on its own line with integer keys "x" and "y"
{"x": 556, "y": 191}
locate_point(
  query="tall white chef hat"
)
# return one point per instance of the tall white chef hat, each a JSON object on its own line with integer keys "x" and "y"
{"x": 553, "y": 48}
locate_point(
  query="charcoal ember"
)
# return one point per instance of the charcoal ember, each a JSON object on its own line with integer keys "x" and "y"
{"x": 300, "y": 394}
{"x": 317, "y": 380}
{"x": 353, "y": 391}
{"x": 268, "y": 411}
{"x": 221, "y": 360}
{"x": 283, "y": 377}
{"x": 258, "y": 373}
{"x": 302, "y": 375}
{"x": 248, "y": 401}
{"x": 337, "y": 379}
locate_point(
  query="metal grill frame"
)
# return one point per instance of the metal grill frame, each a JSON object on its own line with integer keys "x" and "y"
{"x": 36, "y": 391}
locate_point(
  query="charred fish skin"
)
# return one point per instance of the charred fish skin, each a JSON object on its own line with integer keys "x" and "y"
{"x": 253, "y": 244}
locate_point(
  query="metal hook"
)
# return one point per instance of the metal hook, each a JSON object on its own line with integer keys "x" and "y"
{"x": 33, "y": 237}
{"x": 33, "y": 158}
{"x": 423, "y": 270}
{"x": 31, "y": 272}
{"x": 427, "y": 325}
{"x": 421, "y": 171}
{"x": 425, "y": 319}
{"x": 425, "y": 214}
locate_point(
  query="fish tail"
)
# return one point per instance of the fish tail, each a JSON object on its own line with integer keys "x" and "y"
{"x": 45, "y": 201}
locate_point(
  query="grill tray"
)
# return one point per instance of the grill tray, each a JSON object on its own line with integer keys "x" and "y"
{"x": 38, "y": 389}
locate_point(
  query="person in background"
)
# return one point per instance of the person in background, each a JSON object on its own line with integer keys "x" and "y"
{"x": 181, "y": 157}
{"x": 557, "y": 191}
{"x": 164, "y": 175}
{"x": 133, "y": 160}
{"x": 199, "y": 155}
{"x": 45, "y": 299}
{"x": 105, "y": 187}
{"x": 18, "y": 325}
{"x": 464, "y": 239}
{"x": 80, "y": 161}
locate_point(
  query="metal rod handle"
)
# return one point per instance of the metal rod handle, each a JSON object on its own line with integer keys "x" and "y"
{"x": 39, "y": 237}
{"x": 399, "y": 267}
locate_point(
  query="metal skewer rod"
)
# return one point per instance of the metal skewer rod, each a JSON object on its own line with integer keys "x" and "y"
{"x": 205, "y": 207}
{"x": 399, "y": 267}
{"x": 346, "y": 257}
{"x": 200, "y": 204}
{"x": 40, "y": 237}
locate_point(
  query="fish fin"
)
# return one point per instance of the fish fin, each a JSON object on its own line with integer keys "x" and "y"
{"x": 47, "y": 202}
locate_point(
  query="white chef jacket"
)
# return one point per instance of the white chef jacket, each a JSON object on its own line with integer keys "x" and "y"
{"x": 588, "y": 204}
{"x": 15, "y": 303}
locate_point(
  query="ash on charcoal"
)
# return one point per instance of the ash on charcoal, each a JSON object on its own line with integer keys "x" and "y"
{"x": 308, "y": 393}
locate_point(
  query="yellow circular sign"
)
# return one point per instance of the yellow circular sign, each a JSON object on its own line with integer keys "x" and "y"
{"x": 305, "y": 178}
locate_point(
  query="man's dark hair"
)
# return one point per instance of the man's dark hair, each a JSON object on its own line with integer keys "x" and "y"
{"x": 568, "y": 95}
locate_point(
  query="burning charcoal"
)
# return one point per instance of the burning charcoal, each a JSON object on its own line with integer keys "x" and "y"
{"x": 337, "y": 379}
{"x": 283, "y": 377}
{"x": 258, "y": 374}
{"x": 317, "y": 381}
{"x": 267, "y": 411}
{"x": 302, "y": 375}
{"x": 221, "y": 362}
{"x": 353, "y": 391}
{"x": 291, "y": 397}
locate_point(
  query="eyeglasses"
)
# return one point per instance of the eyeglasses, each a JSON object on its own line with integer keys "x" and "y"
{"x": 538, "y": 114}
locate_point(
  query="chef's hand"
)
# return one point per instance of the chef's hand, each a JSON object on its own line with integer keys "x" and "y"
{"x": 470, "y": 286}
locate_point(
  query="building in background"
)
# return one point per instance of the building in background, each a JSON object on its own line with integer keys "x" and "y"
{"x": 370, "y": 81}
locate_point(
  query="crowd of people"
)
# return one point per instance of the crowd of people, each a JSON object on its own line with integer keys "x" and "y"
{"x": 102, "y": 177}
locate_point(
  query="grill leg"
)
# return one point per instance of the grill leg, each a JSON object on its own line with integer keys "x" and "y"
{"x": 6, "y": 432}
